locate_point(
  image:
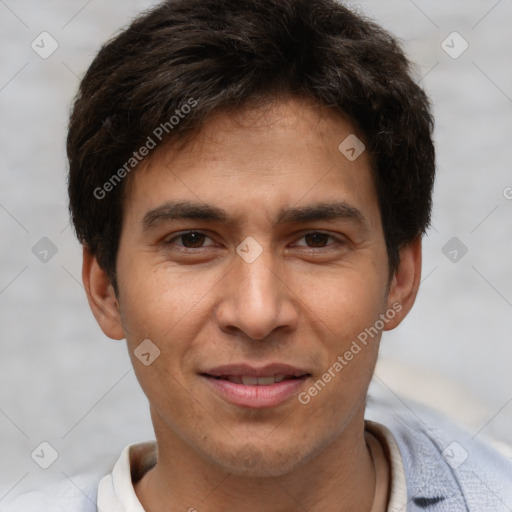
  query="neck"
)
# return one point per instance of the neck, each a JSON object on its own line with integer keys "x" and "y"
{"x": 340, "y": 478}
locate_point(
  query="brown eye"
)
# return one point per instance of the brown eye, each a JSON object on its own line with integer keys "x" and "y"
{"x": 192, "y": 240}
{"x": 317, "y": 239}
{"x": 320, "y": 240}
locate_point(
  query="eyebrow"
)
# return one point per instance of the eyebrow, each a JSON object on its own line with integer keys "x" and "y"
{"x": 183, "y": 210}
{"x": 196, "y": 211}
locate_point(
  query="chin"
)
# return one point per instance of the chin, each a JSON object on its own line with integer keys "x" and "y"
{"x": 253, "y": 460}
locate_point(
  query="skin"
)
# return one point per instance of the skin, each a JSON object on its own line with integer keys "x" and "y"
{"x": 302, "y": 302}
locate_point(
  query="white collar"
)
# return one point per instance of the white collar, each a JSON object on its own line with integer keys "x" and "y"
{"x": 115, "y": 491}
{"x": 117, "y": 494}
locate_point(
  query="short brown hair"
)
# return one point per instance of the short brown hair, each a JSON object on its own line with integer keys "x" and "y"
{"x": 234, "y": 54}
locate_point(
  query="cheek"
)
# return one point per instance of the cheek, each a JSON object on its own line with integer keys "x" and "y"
{"x": 350, "y": 346}
{"x": 345, "y": 309}
{"x": 158, "y": 300}
{"x": 345, "y": 302}
{"x": 170, "y": 310}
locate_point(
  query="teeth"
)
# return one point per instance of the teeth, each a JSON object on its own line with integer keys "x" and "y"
{"x": 256, "y": 381}
{"x": 265, "y": 381}
{"x": 251, "y": 381}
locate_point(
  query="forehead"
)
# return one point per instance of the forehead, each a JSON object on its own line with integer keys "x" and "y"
{"x": 283, "y": 155}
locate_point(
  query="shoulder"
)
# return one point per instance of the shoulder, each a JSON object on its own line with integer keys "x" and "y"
{"x": 443, "y": 460}
{"x": 74, "y": 494}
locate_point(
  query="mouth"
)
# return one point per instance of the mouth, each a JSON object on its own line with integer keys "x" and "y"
{"x": 256, "y": 388}
{"x": 248, "y": 380}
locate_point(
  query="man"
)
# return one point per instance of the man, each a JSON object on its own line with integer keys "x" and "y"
{"x": 250, "y": 181}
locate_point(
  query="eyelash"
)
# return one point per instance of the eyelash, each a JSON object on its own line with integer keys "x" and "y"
{"x": 171, "y": 241}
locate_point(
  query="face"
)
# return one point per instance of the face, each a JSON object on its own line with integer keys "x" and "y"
{"x": 254, "y": 260}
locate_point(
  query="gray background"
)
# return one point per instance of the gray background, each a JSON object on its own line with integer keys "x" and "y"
{"x": 62, "y": 381}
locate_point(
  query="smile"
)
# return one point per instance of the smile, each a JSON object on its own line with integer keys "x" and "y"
{"x": 265, "y": 394}
{"x": 248, "y": 380}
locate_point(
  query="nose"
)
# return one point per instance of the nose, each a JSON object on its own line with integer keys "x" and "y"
{"x": 256, "y": 299}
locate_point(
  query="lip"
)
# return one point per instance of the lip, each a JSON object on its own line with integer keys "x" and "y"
{"x": 251, "y": 371}
{"x": 255, "y": 396}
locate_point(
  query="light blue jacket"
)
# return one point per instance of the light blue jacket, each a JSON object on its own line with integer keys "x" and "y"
{"x": 446, "y": 470}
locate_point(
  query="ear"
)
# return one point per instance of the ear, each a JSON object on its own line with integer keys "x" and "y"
{"x": 405, "y": 283}
{"x": 101, "y": 296}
